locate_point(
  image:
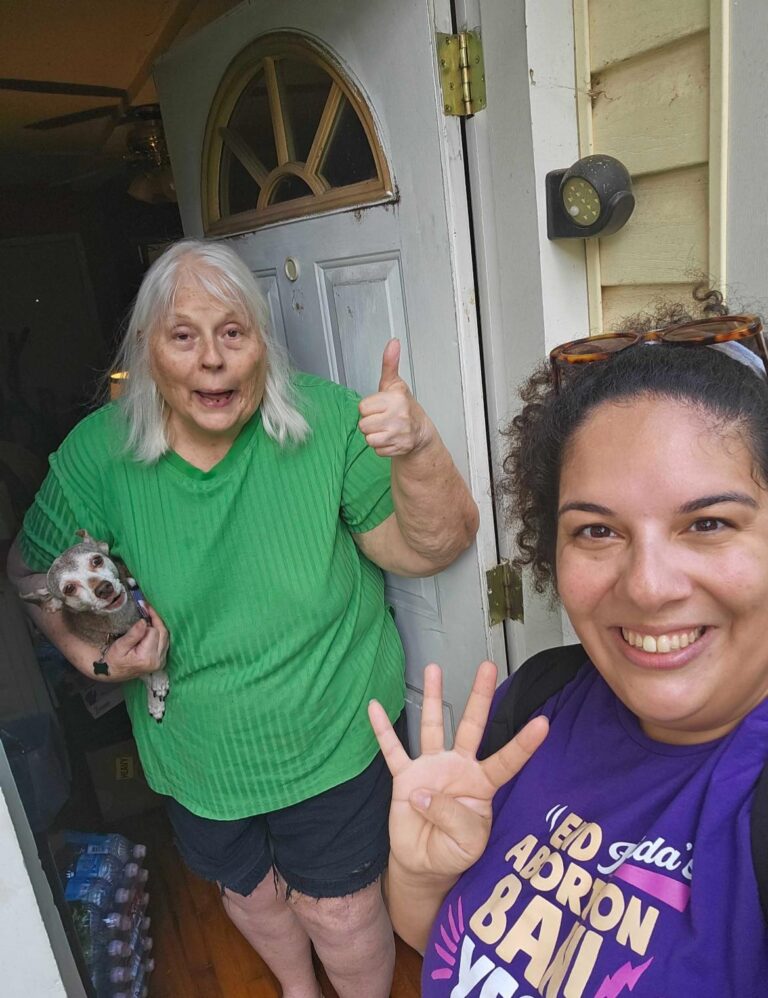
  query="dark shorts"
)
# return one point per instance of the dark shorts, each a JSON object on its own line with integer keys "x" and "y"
{"x": 328, "y": 846}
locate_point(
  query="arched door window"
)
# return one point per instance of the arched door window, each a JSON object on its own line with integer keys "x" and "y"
{"x": 288, "y": 135}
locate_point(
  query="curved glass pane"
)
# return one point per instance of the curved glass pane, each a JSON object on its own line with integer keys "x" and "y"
{"x": 280, "y": 111}
{"x": 251, "y": 121}
{"x": 348, "y": 158}
{"x": 239, "y": 190}
{"x": 288, "y": 188}
{"x": 304, "y": 89}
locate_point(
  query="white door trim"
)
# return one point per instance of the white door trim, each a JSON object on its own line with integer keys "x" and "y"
{"x": 465, "y": 303}
{"x": 747, "y": 197}
{"x": 532, "y": 292}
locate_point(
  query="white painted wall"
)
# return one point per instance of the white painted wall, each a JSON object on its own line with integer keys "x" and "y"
{"x": 35, "y": 958}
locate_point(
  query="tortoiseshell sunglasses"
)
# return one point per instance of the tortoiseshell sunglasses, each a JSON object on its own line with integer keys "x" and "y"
{"x": 704, "y": 332}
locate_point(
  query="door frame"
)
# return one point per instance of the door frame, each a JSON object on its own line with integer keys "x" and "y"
{"x": 528, "y": 128}
{"x": 479, "y": 442}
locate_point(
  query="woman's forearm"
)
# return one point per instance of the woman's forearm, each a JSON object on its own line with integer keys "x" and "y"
{"x": 77, "y": 652}
{"x": 435, "y": 511}
{"x": 413, "y": 902}
{"x": 436, "y": 516}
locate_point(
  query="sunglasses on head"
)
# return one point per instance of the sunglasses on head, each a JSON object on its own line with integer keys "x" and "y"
{"x": 703, "y": 332}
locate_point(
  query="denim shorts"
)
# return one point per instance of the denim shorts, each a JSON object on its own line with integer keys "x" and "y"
{"x": 327, "y": 846}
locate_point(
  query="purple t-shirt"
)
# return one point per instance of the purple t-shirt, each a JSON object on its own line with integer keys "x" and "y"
{"x": 617, "y": 865}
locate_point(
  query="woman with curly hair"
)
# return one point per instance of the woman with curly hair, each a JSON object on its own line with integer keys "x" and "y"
{"x": 606, "y": 848}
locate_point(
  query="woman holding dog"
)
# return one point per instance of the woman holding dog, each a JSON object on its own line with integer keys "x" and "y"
{"x": 612, "y": 854}
{"x": 257, "y": 508}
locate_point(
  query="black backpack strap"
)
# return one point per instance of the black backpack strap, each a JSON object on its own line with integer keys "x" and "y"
{"x": 758, "y": 828}
{"x": 537, "y": 679}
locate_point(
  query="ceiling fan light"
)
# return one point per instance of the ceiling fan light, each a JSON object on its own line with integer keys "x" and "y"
{"x": 143, "y": 188}
{"x": 153, "y": 187}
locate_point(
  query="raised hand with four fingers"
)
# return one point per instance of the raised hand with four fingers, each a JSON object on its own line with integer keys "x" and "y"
{"x": 440, "y": 818}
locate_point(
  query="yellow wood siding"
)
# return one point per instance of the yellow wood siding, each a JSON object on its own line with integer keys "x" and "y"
{"x": 647, "y": 96}
{"x": 666, "y": 240}
{"x": 652, "y": 112}
{"x": 623, "y": 301}
{"x": 620, "y": 29}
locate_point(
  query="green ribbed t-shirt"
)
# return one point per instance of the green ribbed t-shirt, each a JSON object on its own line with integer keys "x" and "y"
{"x": 279, "y": 631}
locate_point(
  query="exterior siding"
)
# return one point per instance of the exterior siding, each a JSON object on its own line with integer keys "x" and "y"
{"x": 646, "y": 97}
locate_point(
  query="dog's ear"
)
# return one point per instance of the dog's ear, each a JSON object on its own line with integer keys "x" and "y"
{"x": 87, "y": 539}
{"x": 43, "y": 598}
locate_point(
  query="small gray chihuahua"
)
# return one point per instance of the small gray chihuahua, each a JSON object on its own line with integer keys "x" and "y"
{"x": 99, "y": 601}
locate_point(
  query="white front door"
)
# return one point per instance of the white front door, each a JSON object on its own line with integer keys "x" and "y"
{"x": 356, "y": 278}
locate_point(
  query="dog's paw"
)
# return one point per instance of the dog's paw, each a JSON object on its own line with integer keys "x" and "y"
{"x": 158, "y": 684}
{"x": 155, "y": 706}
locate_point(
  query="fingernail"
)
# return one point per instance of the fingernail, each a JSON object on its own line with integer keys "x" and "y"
{"x": 421, "y": 798}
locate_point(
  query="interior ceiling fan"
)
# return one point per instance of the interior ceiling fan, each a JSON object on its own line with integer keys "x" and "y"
{"x": 146, "y": 150}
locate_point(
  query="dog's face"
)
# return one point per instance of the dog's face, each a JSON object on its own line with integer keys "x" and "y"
{"x": 82, "y": 578}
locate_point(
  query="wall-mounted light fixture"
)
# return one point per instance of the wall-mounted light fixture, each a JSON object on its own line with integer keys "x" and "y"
{"x": 593, "y": 197}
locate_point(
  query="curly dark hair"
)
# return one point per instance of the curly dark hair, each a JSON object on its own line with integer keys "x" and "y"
{"x": 726, "y": 392}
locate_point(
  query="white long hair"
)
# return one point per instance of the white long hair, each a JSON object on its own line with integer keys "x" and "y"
{"x": 220, "y": 272}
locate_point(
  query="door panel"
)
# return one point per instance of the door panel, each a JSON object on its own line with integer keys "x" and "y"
{"x": 267, "y": 281}
{"x": 364, "y": 294}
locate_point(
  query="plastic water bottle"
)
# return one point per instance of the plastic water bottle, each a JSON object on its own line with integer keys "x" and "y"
{"x": 139, "y": 929}
{"x": 91, "y": 921}
{"x": 103, "y": 867}
{"x": 120, "y": 975}
{"x": 107, "y": 967}
{"x": 135, "y": 964}
{"x": 113, "y": 844}
{"x": 139, "y": 988}
{"x": 97, "y": 936}
{"x": 136, "y": 902}
{"x": 100, "y": 893}
{"x": 97, "y": 948}
{"x": 116, "y": 922}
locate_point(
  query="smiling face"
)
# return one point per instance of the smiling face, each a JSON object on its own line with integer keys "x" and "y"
{"x": 209, "y": 364}
{"x": 662, "y": 565}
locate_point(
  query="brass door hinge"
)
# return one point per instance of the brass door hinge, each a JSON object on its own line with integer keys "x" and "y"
{"x": 505, "y": 593}
{"x": 462, "y": 72}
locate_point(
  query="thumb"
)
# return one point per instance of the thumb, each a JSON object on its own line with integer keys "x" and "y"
{"x": 465, "y": 826}
{"x": 132, "y": 637}
{"x": 390, "y": 363}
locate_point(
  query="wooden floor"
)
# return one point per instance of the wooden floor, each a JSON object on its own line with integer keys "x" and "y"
{"x": 197, "y": 950}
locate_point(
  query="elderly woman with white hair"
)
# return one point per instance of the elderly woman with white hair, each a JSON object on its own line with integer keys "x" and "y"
{"x": 257, "y": 507}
